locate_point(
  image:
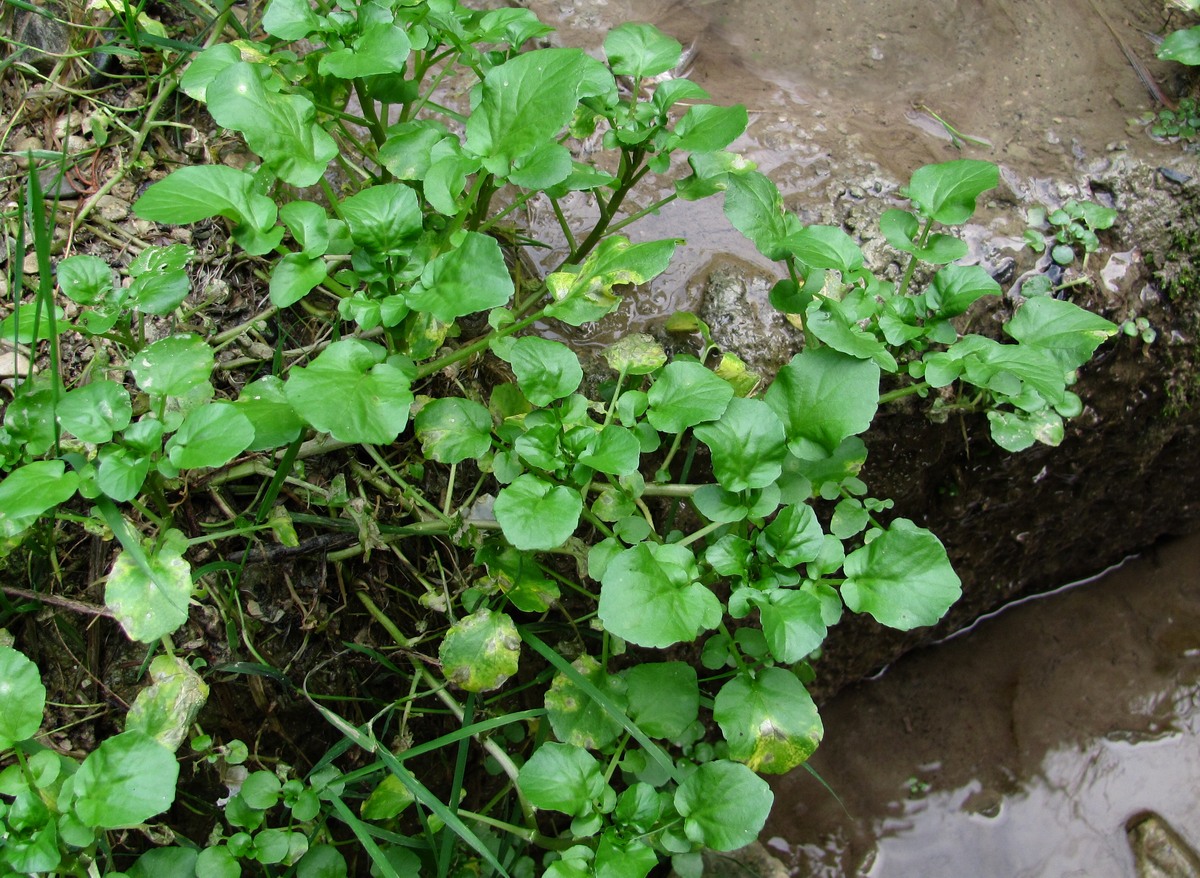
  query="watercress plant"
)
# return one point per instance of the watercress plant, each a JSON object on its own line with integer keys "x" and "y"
{"x": 676, "y": 503}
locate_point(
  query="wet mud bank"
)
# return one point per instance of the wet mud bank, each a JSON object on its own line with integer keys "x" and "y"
{"x": 1126, "y": 475}
{"x": 843, "y": 108}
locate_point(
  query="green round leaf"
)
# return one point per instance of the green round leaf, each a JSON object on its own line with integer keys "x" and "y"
{"x": 574, "y": 716}
{"x": 902, "y": 578}
{"x": 1016, "y": 431}
{"x": 956, "y": 287}
{"x": 217, "y": 862}
{"x": 946, "y": 192}
{"x": 472, "y": 277}
{"x": 724, "y": 805}
{"x": 562, "y": 777}
{"x": 823, "y": 396}
{"x": 381, "y": 48}
{"x": 794, "y": 536}
{"x": 535, "y": 514}
{"x": 173, "y": 366}
{"x": 769, "y": 720}
{"x": 664, "y": 697}
{"x": 166, "y": 709}
{"x": 288, "y": 20}
{"x": 793, "y": 622}
{"x": 651, "y": 596}
{"x": 546, "y": 370}
{"x": 1183, "y": 46}
{"x": 29, "y": 491}
{"x": 271, "y": 846}
{"x": 127, "y": 780}
{"x": 389, "y": 799}
{"x": 635, "y": 354}
{"x": 1069, "y": 332}
{"x": 294, "y": 276}
{"x": 261, "y": 790}
{"x": 278, "y": 126}
{"x": 95, "y": 411}
{"x": 212, "y": 435}
{"x": 686, "y": 394}
{"x": 322, "y": 861}
{"x": 264, "y": 402}
{"x": 198, "y": 192}
{"x": 481, "y": 651}
{"x": 612, "y": 449}
{"x": 349, "y": 392}
{"x": 85, "y": 279}
{"x": 1063, "y": 254}
{"x": 22, "y": 697}
{"x": 826, "y": 247}
{"x": 160, "y": 862}
{"x": 30, "y": 324}
{"x": 149, "y": 601}
{"x": 640, "y": 50}
{"x": 122, "y": 472}
{"x": 708, "y": 128}
{"x": 452, "y": 430}
{"x": 748, "y": 445}
{"x": 383, "y": 218}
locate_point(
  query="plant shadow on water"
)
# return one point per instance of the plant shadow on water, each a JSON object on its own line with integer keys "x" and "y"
{"x": 1020, "y": 748}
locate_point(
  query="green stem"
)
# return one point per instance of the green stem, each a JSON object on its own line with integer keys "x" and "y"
{"x": 646, "y": 211}
{"x": 378, "y": 134}
{"x": 563, "y": 224}
{"x": 901, "y": 392}
{"x": 912, "y": 258}
{"x": 633, "y": 174}
{"x": 664, "y": 472}
{"x": 655, "y": 489}
{"x": 410, "y": 493}
{"x": 476, "y": 346}
{"x": 701, "y": 534}
{"x": 494, "y": 750}
{"x": 384, "y": 620}
{"x": 733, "y": 648}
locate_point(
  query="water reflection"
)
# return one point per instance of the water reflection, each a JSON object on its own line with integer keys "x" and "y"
{"x": 1021, "y": 749}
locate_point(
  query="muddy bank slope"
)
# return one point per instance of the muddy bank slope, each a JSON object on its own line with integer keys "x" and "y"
{"x": 1126, "y": 475}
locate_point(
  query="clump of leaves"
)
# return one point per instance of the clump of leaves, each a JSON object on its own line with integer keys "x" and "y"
{"x": 1139, "y": 327}
{"x": 1181, "y": 123}
{"x": 548, "y": 510}
{"x": 1068, "y": 230}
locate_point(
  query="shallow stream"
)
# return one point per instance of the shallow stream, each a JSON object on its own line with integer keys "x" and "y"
{"x": 1021, "y": 748}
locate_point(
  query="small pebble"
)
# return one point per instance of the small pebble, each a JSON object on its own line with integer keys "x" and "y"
{"x": 112, "y": 208}
{"x": 24, "y": 146}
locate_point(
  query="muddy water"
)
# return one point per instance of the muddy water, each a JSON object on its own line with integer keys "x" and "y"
{"x": 834, "y": 83}
{"x": 1020, "y": 748}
